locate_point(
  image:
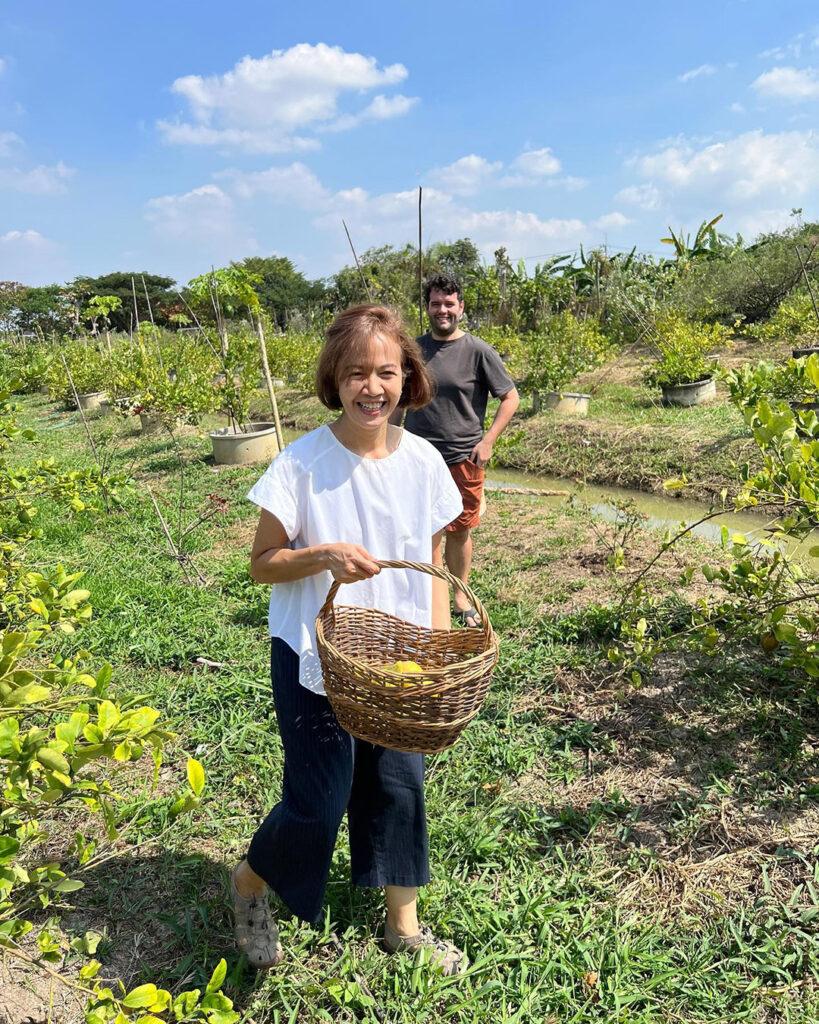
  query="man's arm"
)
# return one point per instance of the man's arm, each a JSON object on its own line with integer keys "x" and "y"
{"x": 482, "y": 452}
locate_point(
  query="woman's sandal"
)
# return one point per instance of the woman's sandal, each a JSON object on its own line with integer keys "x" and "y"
{"x": 445, "y": 955}
{"x": 257, "y": 935}
{"x": 467, "y": 617}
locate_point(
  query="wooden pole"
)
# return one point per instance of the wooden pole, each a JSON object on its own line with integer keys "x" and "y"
{"x": 271, "y": 394}
{"x": 420, "y": 268}
{"x": 360, "y": 271}
{"x": 807, "y": 280}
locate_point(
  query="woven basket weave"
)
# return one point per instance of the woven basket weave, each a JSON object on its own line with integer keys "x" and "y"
{"x": 417, "y": 713}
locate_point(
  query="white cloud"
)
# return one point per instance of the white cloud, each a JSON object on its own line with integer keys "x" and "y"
{"x": 264, "y": 100}
{"x": 295, "y": 183}
{"x": 243, "y": 139}
{"x": 703, "y": 69}
{"x": 761, "y": 221}
{"x": 39, "y": 180}
{"x": 792, "y": 49}
{"x": 10, "y": 143}
{"x": 737, "y": 108}
{"x": 536, "y": 163}
{"x": 647, "y": 196}
{"x": 472, "y": 174}
{"x": 382, "y": 108}
{"x": 750, "y": 165}
{"x": 3, "y": 66}
{"x": 467, "y": 176}
{"x": 788, "y": 83}
{"x": 611, "y": 220}
{"x": 205, "y": 217}
{"x": 25, "y": 239}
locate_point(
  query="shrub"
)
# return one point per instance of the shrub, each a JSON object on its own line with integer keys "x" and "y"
{"x": 796, "y": 380}
{"x": 746, "y": 286}
{"x": 684, "y": 348}
{"x": 90, "y": 369}
{"x": 563, "y": 346}
{"x": 168, "y": 374}
{"x": 293, "y": 357}
{"x": 795, "y": 320}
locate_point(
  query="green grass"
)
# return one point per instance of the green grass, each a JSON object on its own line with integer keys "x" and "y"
{"x": 602, "y": 853}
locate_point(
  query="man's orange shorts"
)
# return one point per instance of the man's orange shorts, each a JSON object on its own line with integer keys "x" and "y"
{"x": 469, "y": 478}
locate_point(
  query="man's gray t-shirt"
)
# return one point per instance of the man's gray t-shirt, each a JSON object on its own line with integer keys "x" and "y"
{"x": 465, "y": 372}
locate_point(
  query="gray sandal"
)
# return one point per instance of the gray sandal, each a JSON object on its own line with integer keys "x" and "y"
{"x": 257, "y": 935}
{"x": 445, "y": 955}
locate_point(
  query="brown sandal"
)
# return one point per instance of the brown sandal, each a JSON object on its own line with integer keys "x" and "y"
{"x": 257, "y": 935}
{"x": 445, "y": 955}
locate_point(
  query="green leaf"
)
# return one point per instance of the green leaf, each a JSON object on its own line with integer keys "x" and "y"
{"x": 196, "y": 776}
{"x": 217, "y": 979}
{"x": 53, "y": 760}
{"x": 39, "y": 608}
{"x": 108, "y": 716}
{"x": 8, "y": 848}
{"x": 69, "y": 885}
{"x": 142, "y": 996}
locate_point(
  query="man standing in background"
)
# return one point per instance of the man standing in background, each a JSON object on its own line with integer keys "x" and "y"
{"x": 466, "y": 371}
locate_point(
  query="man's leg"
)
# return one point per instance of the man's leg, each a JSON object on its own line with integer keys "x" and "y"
{"x": 458, "y": 558}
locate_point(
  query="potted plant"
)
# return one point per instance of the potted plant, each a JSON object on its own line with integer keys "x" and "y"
{"x": 148, "y": 384}
{"x": 242, "y": 358}
{"x": 551, "y": 357}
{"x": 685, "y": 368}
{"x": 90, "y": 373}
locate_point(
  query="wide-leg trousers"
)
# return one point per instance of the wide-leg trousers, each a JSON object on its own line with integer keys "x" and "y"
{"x": 327, "y": 771}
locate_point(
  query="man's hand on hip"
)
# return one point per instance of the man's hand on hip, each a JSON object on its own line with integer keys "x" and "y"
{"x": 482, "y": 452}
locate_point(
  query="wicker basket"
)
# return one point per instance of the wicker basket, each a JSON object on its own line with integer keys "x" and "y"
{"x": 420, "y": 714}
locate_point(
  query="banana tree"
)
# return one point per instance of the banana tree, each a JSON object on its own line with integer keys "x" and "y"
{"x": 707, "y": 242}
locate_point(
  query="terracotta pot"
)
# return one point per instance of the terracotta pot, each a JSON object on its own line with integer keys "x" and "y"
{"x": 238, "y": 449}
{"x": 696, "y": 393}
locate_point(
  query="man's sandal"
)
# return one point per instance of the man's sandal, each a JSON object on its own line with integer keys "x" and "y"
{"x": 444, "y": 955}
{"x": 257, "y": 935}
{"x": 467, "y": 617}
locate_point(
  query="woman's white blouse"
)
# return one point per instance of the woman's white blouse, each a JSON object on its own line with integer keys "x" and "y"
{"x": 321, "y": 492}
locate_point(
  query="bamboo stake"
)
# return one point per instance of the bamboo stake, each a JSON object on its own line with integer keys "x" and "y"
{"x": 271, "y": 394}
{"x": 807, "y": 282}
{"x": 153, "y": 324}
{"x": 80, "y": 410}
{"x": 360, "y": 271}
{"x": 136, "y": 310}
{"x": 103, "y": 488}
{"x": 420, "y": 268}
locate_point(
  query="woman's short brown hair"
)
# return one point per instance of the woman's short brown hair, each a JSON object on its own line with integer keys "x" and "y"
{"x": 348, "y": 338}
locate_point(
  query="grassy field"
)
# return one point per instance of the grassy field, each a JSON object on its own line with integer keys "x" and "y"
{"x": 603, "y": 852}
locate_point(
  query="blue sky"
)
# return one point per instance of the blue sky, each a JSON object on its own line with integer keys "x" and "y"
{"x": 171, "y": 136}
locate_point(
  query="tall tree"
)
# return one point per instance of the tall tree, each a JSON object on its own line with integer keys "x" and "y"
{"x": 161, "y": 293}
{"x": 281, "y": 288}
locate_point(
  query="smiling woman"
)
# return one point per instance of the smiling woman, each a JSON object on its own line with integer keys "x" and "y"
{"x": 332, "y": 505}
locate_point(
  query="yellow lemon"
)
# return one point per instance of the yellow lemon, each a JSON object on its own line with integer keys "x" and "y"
{"x": 408, "y": 667}
{"x": 405, "y": 666}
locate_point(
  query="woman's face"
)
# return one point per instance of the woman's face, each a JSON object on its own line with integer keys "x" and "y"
{"x": 370, "y": 386}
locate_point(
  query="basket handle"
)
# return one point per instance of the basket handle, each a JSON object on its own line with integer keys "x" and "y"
{"x": 430, "y": 570}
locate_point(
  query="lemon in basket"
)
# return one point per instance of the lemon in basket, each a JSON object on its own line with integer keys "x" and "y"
{"x": 407, "y": 667}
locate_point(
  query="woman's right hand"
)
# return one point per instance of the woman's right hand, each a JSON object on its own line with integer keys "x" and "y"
{"x": 350, "y": 562}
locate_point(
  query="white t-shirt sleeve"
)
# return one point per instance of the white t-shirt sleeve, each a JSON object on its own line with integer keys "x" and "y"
{"x": 275, "y": 491}
{"x": 448, "y": 505}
